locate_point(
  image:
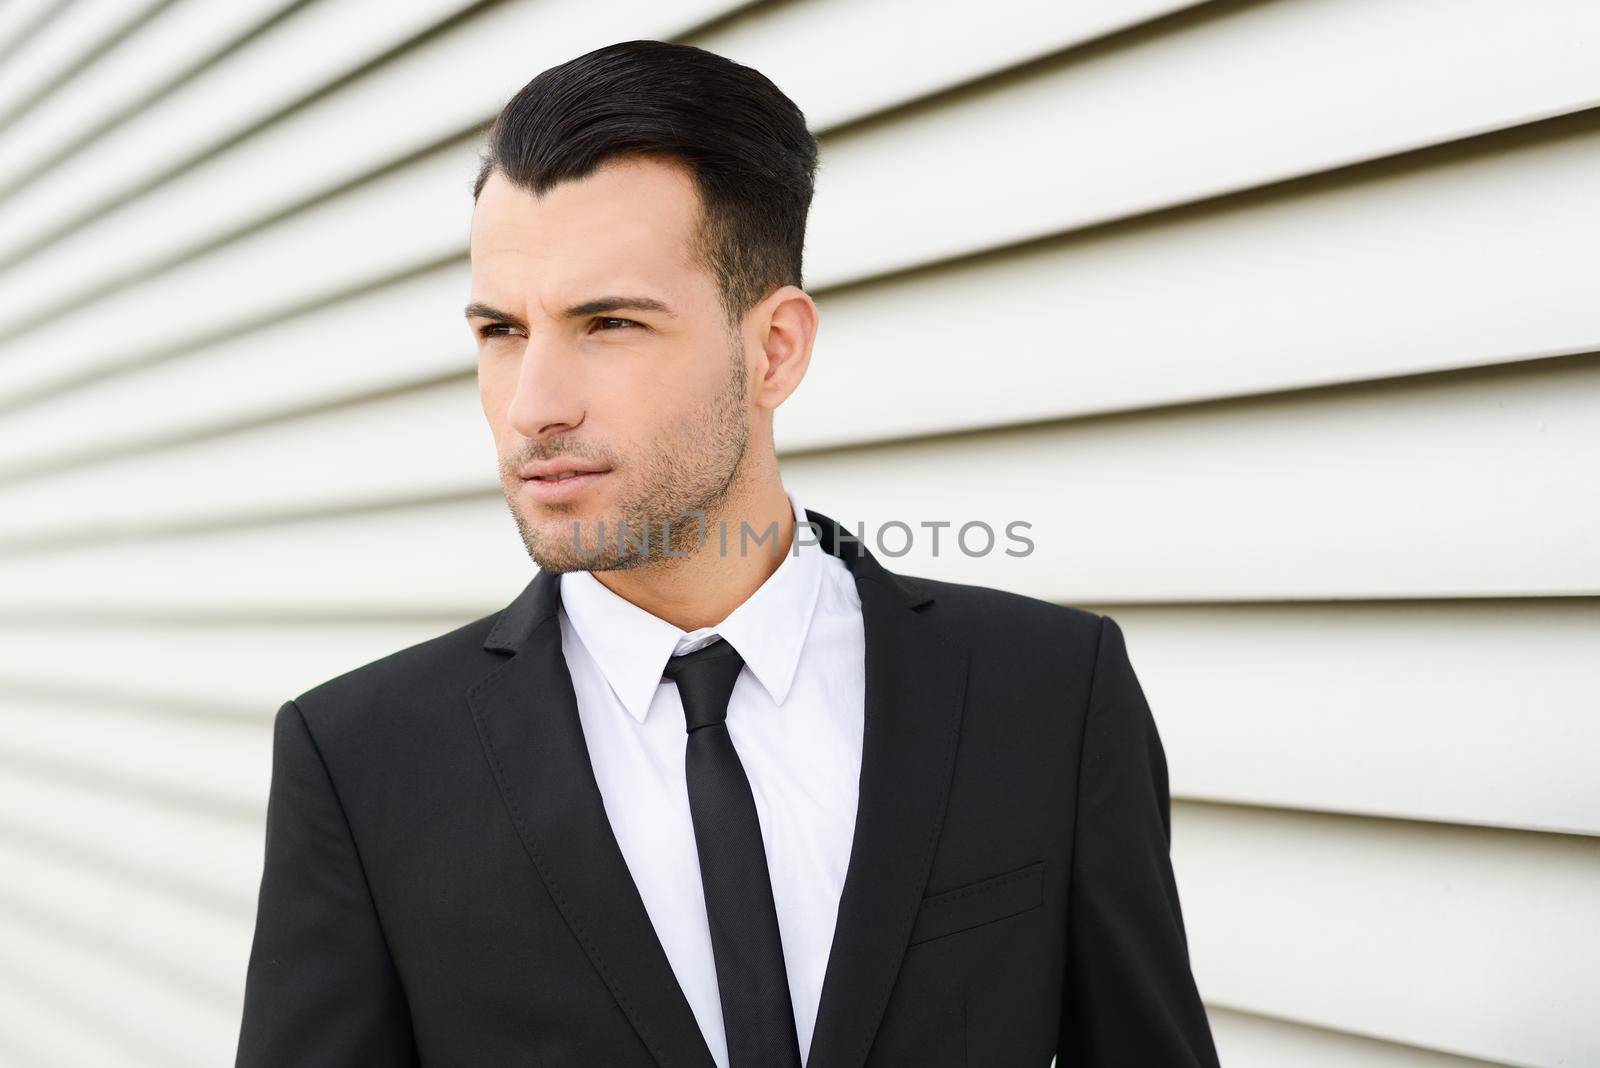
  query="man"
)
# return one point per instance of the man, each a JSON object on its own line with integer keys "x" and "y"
{"x": 716, "y": 787}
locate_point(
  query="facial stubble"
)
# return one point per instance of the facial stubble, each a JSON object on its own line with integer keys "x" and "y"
{"x": 686, "y": 476}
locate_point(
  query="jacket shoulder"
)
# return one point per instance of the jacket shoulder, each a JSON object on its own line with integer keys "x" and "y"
{"x": 985, "y": 615}
{"x": 417, "y": 677}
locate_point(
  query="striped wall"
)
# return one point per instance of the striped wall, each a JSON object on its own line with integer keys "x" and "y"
{"x": 1276, "y": 320}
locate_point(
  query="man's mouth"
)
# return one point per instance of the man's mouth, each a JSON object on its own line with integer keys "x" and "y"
{"x": 557, "y": 469}
{"x": 560, "y": 482}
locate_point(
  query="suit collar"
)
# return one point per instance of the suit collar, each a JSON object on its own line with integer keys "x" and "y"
{"x": 526, "y": 715}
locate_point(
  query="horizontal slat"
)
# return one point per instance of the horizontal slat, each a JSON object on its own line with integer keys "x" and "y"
{"x": 1256, "y": 94}
{"x": 120, "y": 999}
{"x": 1473, "y": 942}
{"x": 191, "y": 949}
{"x": 1460, "y": 259}
{"x": 1474, "y": 712}
{"x": 1459, "y": 485}
{"x": 305, "y": 261}
{"x": 940, "y": 46}
{"x": 21, "y": 21}
{"x": 59, "y": 48}
{"x": 435, "y": 441}
{"x": 446, "y": 558}
{"x": 165, "y": 50}
{"x": 1477, "y": 260}
{"x": 411, "y": 330}
{"x": 1245, "y": 1041}
{"x": 1323, "y": 494}
{"x": 210, "y": 858}
{"x": 443, "y": 90}
{"x": 271, "y": 73}
{"x": 349, "y": 240}
{"x": 221, "y": 762}
{"x": 218, "y": 668}
{"x": 37, "y": 1030}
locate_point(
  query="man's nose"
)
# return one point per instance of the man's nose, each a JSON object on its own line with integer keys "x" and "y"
{"x": 548, "y": 399}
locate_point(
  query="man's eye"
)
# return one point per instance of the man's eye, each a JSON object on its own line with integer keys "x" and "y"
{"x": 495, "y": 330}
{"x": 607, "y": 322}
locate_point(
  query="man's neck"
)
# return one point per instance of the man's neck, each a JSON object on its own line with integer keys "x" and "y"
{"x": 703, "y": 588}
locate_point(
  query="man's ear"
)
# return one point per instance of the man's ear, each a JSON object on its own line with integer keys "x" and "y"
{"x": 788, "y": 322}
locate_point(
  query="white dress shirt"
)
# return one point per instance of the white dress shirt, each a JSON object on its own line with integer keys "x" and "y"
{"x": 796, "y": 718}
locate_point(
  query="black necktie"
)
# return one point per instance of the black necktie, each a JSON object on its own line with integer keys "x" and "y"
{"x": 757, "y": 1015}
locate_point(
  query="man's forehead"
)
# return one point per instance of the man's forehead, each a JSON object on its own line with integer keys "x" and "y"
{"x": 518, "y": 279}
{"x": 565, "y": 298}
{"x": 582, "y": 234}
{"x": 622, "y": 199}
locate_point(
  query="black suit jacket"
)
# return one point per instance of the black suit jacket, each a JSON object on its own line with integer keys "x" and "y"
{"x": 442, "y": 887}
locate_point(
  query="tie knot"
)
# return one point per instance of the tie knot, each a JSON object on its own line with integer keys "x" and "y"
{"x": 705, "y": 681}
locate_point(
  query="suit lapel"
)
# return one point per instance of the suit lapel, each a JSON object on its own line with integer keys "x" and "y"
{"x": 916, "y": 688}
{"x": 527, "y": 718}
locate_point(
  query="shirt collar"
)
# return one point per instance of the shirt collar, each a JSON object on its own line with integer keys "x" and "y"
{"x": 631, "y": 646}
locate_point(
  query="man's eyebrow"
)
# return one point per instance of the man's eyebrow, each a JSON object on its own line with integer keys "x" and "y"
{"x": 479, "y": 310}
{"x": 610, "y": 304}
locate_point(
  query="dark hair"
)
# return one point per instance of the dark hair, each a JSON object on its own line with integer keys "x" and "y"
{"x": 745, "y": 143}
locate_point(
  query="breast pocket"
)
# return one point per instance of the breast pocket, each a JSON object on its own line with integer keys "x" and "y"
{"x": 975, "y": 904}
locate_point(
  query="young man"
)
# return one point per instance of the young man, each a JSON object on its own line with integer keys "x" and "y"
{"x": 716, "y": 787}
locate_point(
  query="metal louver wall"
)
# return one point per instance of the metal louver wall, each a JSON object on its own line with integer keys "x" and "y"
{"x": 1275, "y": 319}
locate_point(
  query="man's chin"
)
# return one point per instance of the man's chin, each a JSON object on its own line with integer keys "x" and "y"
{"x": 578, "y": 542}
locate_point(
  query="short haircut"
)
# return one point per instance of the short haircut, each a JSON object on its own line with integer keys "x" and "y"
{"x": 744, "y": 142}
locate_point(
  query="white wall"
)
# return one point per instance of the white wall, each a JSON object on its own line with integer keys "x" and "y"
{"x": 1275, "y": 319}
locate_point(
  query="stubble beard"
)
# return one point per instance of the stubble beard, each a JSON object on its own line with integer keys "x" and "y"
{"x": 687, "y": 475}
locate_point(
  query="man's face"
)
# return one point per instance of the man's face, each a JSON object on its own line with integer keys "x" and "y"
{"x": 602, "y": 346}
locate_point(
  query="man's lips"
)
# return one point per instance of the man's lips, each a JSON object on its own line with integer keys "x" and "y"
{"x": 552, "y": 469}
{"x": 562, "y": 486}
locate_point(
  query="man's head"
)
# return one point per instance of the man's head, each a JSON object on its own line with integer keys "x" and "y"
{"x": 636, "y": 270}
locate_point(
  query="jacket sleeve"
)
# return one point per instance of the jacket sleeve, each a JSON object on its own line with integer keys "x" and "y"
{"x": 320, "y": 988}
{"x": 1129, "y": 996}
